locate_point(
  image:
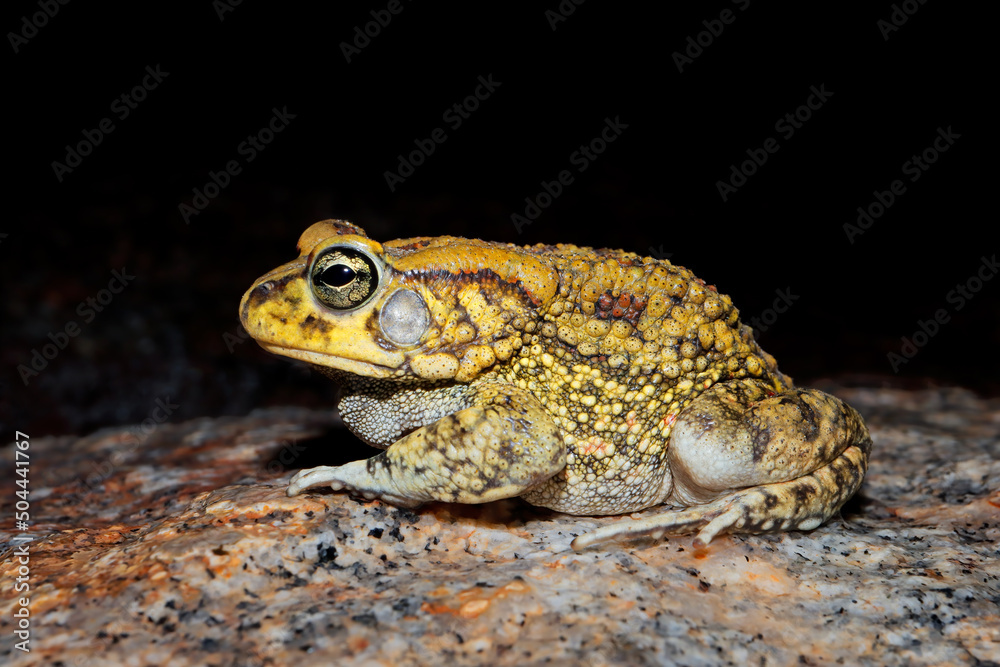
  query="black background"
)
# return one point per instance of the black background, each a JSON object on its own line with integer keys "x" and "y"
{"x": 164, "y": 336}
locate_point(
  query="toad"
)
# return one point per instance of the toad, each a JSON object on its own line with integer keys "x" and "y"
{"x": 589, "y": 381}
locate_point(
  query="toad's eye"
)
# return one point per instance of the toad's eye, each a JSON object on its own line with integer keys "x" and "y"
{"x": 337, "y": 275}
{"x": 344, "y": 278}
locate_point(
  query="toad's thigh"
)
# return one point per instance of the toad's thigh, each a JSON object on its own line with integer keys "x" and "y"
{"x": 738, "y": 434}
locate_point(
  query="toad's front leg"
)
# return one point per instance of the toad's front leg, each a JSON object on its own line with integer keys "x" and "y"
{"x": 498, "y": 449}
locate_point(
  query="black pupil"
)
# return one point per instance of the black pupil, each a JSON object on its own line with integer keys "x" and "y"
{"x": 338, "y": 275}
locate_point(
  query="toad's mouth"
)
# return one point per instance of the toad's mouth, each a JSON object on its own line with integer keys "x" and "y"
{"x": 325, "y": 360}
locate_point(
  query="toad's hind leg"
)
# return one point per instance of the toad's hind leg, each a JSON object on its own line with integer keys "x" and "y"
{"x": 748, "y": 461}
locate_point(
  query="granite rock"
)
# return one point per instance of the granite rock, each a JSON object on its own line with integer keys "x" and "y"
{"x": 175, "y": 544}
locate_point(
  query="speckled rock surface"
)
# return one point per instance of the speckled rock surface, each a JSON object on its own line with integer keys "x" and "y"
{"x": 178, "y": 547}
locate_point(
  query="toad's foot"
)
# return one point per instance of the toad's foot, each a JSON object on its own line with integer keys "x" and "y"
{"x": 801, "y": 504}
{"x": 748, "y": 461}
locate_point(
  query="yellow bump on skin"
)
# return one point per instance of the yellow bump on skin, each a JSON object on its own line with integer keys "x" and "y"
{"x": 713, "y": 308}
{"x": 632, "y": 345}
{"x": 681, "y": 313}
{"x": 728, "y": 339}
{"x": 434, "y": 366}
{"x": 617, "y": 360}
{"x": 598, "y": 328}
{"x": 483, "y": 354}
{"x": 657, "y": 306}
{"x": 464, "y": 333}
{"x": 673, "y": 328}
{"x": 676, "y": 286}
{"x": 568, "y": 335}
{"x": 475, "y": 359}
{"x": 621, "y": 329}
{"x": 610, "y": 344}
{"x": 607, "y": 273}
{"x": 503, "y": 349}
{"x": 706, "y": 335}
{"x": 657, "y": 278}
{"x": 696, "y": 292}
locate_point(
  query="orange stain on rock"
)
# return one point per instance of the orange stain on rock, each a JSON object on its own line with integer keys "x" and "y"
{"x": 473, "y": 608}
{"x": 472, "y": 602}
{"x": 357, "y": 644}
